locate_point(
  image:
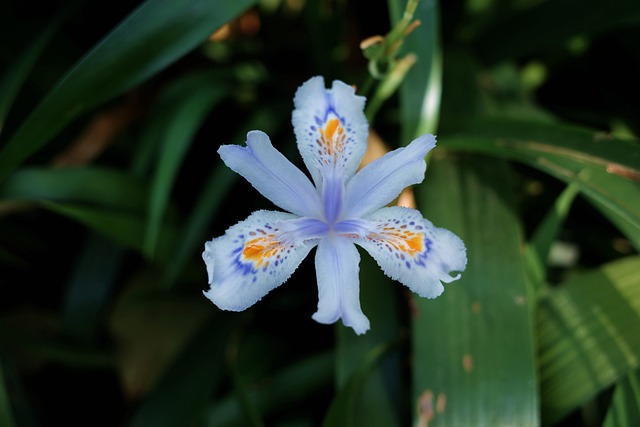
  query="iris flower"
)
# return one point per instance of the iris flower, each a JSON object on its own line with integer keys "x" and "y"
{"x": 335, "y": 211}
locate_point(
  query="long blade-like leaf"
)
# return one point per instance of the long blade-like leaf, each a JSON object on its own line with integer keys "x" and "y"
{"x": 548, "y": 229}
{"x": 152, "y": 37}
{"x": 6, "y": 412}
{"x": 201, "y": 93}
{"x": 91, "y": 185}
{"x": 342, "y": 410}
{"x": 588, "y": 336}
{"x": 376, "y": 404}
{"x": 624, "y": 410}
{"x": 421, "y": 89}
{"x": 284, "y": 389}
{"x": 124, "y": 228}
{"x": 90, "y": 287}
{"x": 15, "y": 75}
{"x": 473, "y": 361}
{"x": 212, "y": 196}
{"x": 605, "y": 170}
{"x": 500, "y": 137}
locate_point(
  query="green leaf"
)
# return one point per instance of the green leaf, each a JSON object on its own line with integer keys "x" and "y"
{"x": 473, "y": 345}
{"x": 616, "y": 197}
{"x": 153, "y": 36}
{"x": 94, "y": 276}
{"x": 15, "y": 409}
{"x": 343, "y": 407}
{"x": 548, "y": 229}
{"x": 283, "y": 390}
{"x": 587, "y": 336}
{"x": 421, "y": 89}
{"x": 251, "y": 413}
{"x": 6, "y": 412}
{"x": 625, "y": 405}
{"x": 199, "y": 92}
{"x": 16, "y": 74}
{"x": 376, "y": 403}
{"x": 181, "y": 396}
{"x": 537, "y": 140}
{"x": 604, "y": 169}
{"x": 124, "y": 228}
{"x": 545, "y": 234}
{"x": 91, "y": 185}
{"x": 30, "y": 332}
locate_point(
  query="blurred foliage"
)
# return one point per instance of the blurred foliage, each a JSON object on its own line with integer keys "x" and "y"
{"x": 110, "y": 118}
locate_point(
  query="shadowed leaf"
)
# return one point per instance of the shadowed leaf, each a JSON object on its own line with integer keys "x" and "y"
{"x": 587, "y": 336}
{"x": 153, "y": 36}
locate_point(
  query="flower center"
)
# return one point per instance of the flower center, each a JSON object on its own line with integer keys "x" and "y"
{"x": 332, "y": 193}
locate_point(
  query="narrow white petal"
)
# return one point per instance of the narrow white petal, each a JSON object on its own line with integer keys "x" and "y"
{"x": 381, "y": 181}
{"x": 330, "y": 126}
{"x": 411, "y": 250}
{"x": 337, "y": 268}
{"x": 273, "y": 175}
{"x": 251, "y": 259}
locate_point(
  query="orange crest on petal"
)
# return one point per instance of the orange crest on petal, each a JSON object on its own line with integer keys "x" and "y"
{"x": 401, "y": 239}
{"x": 259, "y": 249}
{"x": 332, "y": 137}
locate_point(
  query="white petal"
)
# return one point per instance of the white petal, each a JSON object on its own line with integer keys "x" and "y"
{"x": 272, "y": 174}
{"x": 411, "y": 250}
{"x": 330, "y": 126}
{"x": 381, "y": 181}
{"x": 337, "y": 268}
{"x": 251, "y": 259}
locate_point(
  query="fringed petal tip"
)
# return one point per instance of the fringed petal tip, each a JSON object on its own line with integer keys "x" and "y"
{"x": 207, "y": 257}
{"x": 429, "y": 140}
{"x": 357, "y": 320}
{"x": 411, "y": 250}
{"x": 250, "y": 260}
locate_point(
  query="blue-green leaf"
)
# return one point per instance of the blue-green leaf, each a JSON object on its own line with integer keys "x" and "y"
{"x": 213, "y": 195}
{"x": 199, "y": 93}
{"x": 95, "y": 186}
{"x": 153, "y": 36}
{"x": 15, "y": 75}
{"x": 90, "y": 286}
